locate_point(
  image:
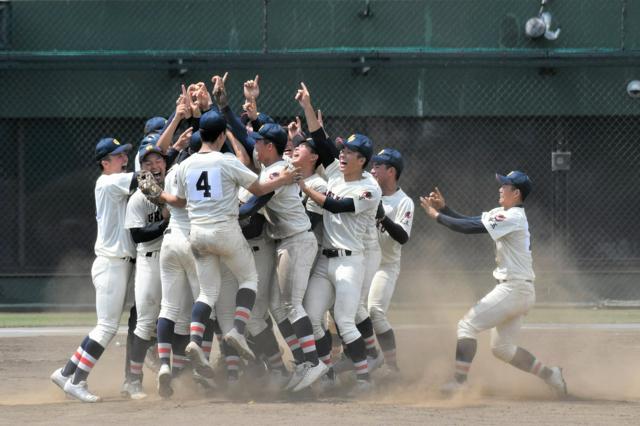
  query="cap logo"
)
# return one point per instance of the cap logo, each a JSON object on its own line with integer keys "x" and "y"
{"x": 116, "y": 141}
{"x": 261, "y": 127}
{"x": 351, "y": 138}
{"x": 381, "y": 152}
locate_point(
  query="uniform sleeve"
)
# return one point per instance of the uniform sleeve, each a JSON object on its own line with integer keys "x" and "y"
{"x": 321, "y": 186}
{"x": 499, "y": 222}
{"x": 120, "y": 184}
{"x": 332, "y": 170}
{"x": 273, "y": 174}
{"x": 136, "y": 215}
{"x": 367, "y": 199}
{"x": 404, "y": 215}
{"x": 181, "y": 190}
{"x": 240, "y": 173}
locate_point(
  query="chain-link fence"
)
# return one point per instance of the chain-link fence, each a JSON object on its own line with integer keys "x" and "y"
{"x": 457, "y": 121}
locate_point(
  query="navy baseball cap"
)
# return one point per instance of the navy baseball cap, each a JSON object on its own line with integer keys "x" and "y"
{"x": 299, "y": 140}
{"x": 212, "y": 124}
{"x": 275, "y": 134}
{"x": 360, "y": 143}
{"x": 255, "y": 135}
{"x": 195, "y": 142}
{"x": 109, "y": 146}
{"x": 518, "y": 179}
{"x": 149, "y": 149}
{"x": 390, "y": 157}
{"x": 154, "y": 125}
{"x": 149, "y": 140}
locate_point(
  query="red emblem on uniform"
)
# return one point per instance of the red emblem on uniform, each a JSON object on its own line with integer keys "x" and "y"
{"x": 274, "y": 175}
{"x": 500, "y": 218}
{"x": 407, "y": 215}
{"x": 365, "y": 196}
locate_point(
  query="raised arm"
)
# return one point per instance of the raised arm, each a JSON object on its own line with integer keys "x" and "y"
{"x": 327, "y": 150}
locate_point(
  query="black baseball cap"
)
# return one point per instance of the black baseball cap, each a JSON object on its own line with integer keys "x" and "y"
{"x": 299, "y": 140}
{"x": 360, "y": 143}
{"x": 518, "y": 179}
{"x": 275, "y": 134}
{"x": 110, "y": 146}
{"x": 212, "y": 124}
{"x": 390, "y": 157}
{"x": 195, "y": 142}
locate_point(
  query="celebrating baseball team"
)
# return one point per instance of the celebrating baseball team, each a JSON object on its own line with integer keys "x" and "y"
{"x": 234, "y": 228}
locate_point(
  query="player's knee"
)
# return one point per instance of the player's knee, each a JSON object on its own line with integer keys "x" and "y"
{"x": 279, "y": 313}
{"x": 362, "y": 314}
{"x": 379, "y": 319}
{"x": 144, "y": 330}
{"x": 170, "y": 312}
{"x": 466, "y": 330}
{"x": 249, "y": 285}
{"x": 348, "y": 330}
{"x": 503, "y": 351}
{"x": 182, "y": 327}
{"x": 296, "y": 312}
{"x": 104, "y": 333}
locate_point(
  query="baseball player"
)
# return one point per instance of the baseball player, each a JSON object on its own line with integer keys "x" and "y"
{"x": 503, "y": 309}
{"x": 394, "y": 228}
{"x": 349, "y": 206}
{"x": 208, "y": 183}
{"x": 111, "y": 269}
{"x": 146, "y": 222}
{"x": 152, "y": 130}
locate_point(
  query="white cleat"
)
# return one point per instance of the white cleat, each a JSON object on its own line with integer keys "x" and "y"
{"x": 361, "y": 388}
{"x": 239, "y": 343}
{"x": 164, "y": 382}
{"x": 199, "y": 360}
{"x": 453, "y": 387}
{"x": 556, "y": 382}
{"x": 375, "y": 363}
{"x": 59, "y": 379}
{"x": 135, "y": 391}
{"x": 80, "y": 392}
{"x": 311, "y": 373}
{"x": 296, "y": 376}
{"x": 151, "y": 359}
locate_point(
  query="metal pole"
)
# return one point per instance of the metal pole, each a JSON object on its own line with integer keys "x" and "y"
{"x": 21, "y": 197}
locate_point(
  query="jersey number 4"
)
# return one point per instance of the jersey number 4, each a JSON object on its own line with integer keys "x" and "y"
{"x": 204, "y": 184}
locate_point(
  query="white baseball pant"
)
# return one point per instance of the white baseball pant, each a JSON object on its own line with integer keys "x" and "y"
{"x": 372, "y": 256}
{"x": 264, "y": 256}
{"x": 221, "y": 242}
{"x": 148, "y": 293}
{"x": 501, "y": 310}
{"x": 294, "y": 259}
{"x": 382, "y": 287}
{"x": 179, "y": 279}
{"x": 336, "y": 282}
{"x": 225, "y": 308}
{"x": 111, "y": 278}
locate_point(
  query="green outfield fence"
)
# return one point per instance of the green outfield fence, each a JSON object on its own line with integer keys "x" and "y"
{"x": 455, "y": 85}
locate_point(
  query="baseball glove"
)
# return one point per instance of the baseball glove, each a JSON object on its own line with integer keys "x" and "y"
{"x": 149, "y": 187}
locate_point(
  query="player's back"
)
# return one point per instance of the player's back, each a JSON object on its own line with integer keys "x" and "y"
{"x": 209, "y": 182}
{"x": 111, "y": 193}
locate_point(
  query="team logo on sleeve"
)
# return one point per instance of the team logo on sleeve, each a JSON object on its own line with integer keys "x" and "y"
{"x": 406, "y": 218}
{"x": 366, "y": 195}
{"x": 500, "y": 218}
{"x": 274, "y": 175}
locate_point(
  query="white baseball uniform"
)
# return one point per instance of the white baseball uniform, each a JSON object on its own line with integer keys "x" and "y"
{"x": 148, "y": 289}
{"x": 177, "y": 265}
{"x": 372, "y": 256}
{"x": 115, "y": 251}
{"x": 319, "y": 184}
{"x": 209, "y": 182}
{"x": 503, "y": 308}
{"x": 337, "y": 280}
{"x": 296, "y": 247}
{"x": 399, "y": 208}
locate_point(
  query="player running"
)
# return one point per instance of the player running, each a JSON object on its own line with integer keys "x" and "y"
{"x": 503, "y": 309}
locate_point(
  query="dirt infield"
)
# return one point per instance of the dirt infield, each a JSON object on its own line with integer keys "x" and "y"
{"x": 602, "y": 369}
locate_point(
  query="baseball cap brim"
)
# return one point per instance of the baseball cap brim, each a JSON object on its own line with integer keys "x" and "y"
{"x": 384, "y": 158}
{"x": 121, "y": 148}
{"x": 503, "y": 180}
{"x": 256, "y": 136}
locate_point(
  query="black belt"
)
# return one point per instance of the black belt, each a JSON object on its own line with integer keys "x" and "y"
{"x": 255, "y": 248}
{"x": 504, "y": 281}
{"x": 336, "y": 252}
{"x": 129, "y": 259}
{"x": 149, "y": 253}
{"x": 168, "y": 231}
